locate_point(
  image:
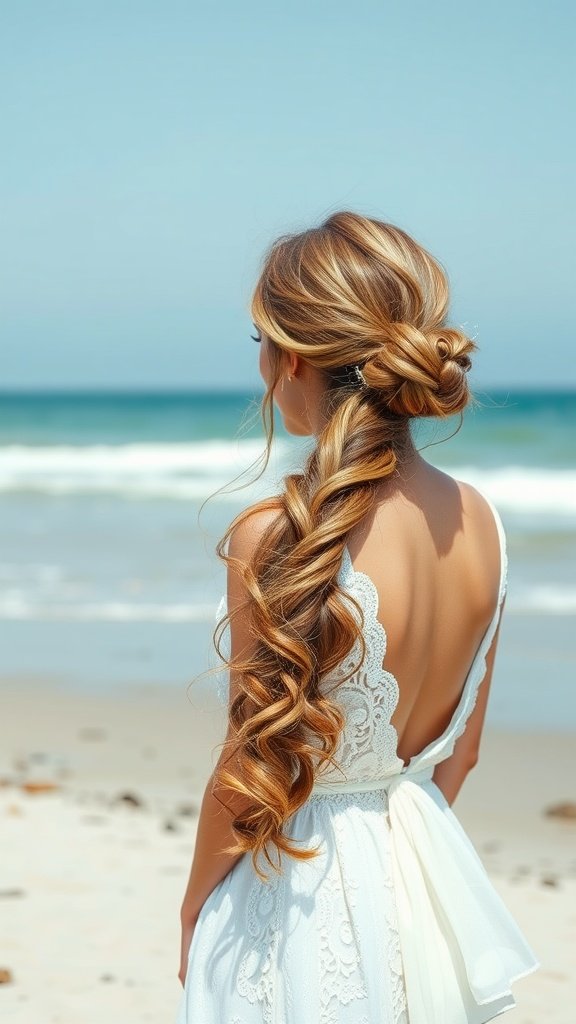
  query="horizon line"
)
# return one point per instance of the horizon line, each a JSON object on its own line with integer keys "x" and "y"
{"x": 210, "y": 389}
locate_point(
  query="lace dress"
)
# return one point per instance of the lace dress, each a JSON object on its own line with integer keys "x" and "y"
{"x": 396, "y": 921}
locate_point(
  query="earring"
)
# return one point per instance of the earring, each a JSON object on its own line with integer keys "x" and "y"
{"x": 289, "y": 378}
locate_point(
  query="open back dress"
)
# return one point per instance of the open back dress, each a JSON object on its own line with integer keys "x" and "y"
{"x": 396, "y": 921}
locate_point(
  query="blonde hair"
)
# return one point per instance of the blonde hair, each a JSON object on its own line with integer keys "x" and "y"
{"x": 352, "y": 292}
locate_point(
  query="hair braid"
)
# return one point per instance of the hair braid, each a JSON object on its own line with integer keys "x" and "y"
{"x": 307, "y": 626}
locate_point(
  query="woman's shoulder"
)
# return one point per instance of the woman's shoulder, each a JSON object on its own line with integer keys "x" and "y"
{"x": 473, "y": 501}
{"x": 476, "y": 503}
{"x": 480, "y": 527}
{"x": 252, "y": 526}
{"x": 485, "y": 533}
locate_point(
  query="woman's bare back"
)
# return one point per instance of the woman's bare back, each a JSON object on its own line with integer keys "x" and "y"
{"x": 432, "y": 550}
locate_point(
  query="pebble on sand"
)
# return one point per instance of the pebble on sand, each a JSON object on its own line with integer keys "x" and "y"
{"x": 566, "y": 811}
{"x": 129, "y": 800}
{"x": 39, "y": 786}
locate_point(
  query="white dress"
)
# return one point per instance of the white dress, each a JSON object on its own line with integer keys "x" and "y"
{"x": 396, "y": 921}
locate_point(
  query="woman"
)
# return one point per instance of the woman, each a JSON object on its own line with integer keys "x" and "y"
{"x": 364, "y": 604}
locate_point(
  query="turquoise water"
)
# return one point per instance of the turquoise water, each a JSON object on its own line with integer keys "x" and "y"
{"x": 536, "y": 428}
{"x": 108, "y": 575}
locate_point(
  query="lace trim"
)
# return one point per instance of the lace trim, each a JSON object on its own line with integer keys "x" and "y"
{"x": 395, "y": 964}
{"x": 341, "y": 976}
{"x": 368, "y": 744}
{"x": 258, "y": 970}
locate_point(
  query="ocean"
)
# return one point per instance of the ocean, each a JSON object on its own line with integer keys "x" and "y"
{"x": 108, "y": 574}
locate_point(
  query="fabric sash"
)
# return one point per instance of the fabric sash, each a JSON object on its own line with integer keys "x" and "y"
{"x": 461, "y": 948}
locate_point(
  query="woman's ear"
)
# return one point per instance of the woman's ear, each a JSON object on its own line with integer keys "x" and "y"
{"x": 293, "y": 364}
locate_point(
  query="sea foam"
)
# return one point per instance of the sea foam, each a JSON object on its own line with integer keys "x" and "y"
{"x": 189, "y": 471}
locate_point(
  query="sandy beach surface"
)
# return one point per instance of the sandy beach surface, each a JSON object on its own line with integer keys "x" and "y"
{"x": 99, "y": 797}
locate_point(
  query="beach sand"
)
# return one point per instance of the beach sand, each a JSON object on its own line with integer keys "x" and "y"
{"x": 92, "y": 872}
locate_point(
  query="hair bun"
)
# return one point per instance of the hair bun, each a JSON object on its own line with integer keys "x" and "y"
{"x": 421, "y": 372}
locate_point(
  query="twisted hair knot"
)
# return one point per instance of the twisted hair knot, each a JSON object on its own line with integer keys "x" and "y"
{"x": 421, "y": 372}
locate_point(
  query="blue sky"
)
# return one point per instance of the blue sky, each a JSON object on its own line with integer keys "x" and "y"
{"x": 151, "y": 151}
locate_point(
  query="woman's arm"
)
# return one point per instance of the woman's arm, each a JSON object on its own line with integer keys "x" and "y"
{"x": 210, "y": 864}
{"x": 449, "y": 775}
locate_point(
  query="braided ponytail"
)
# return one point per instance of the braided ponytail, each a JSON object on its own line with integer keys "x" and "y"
{"x": 352, "y": 293}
